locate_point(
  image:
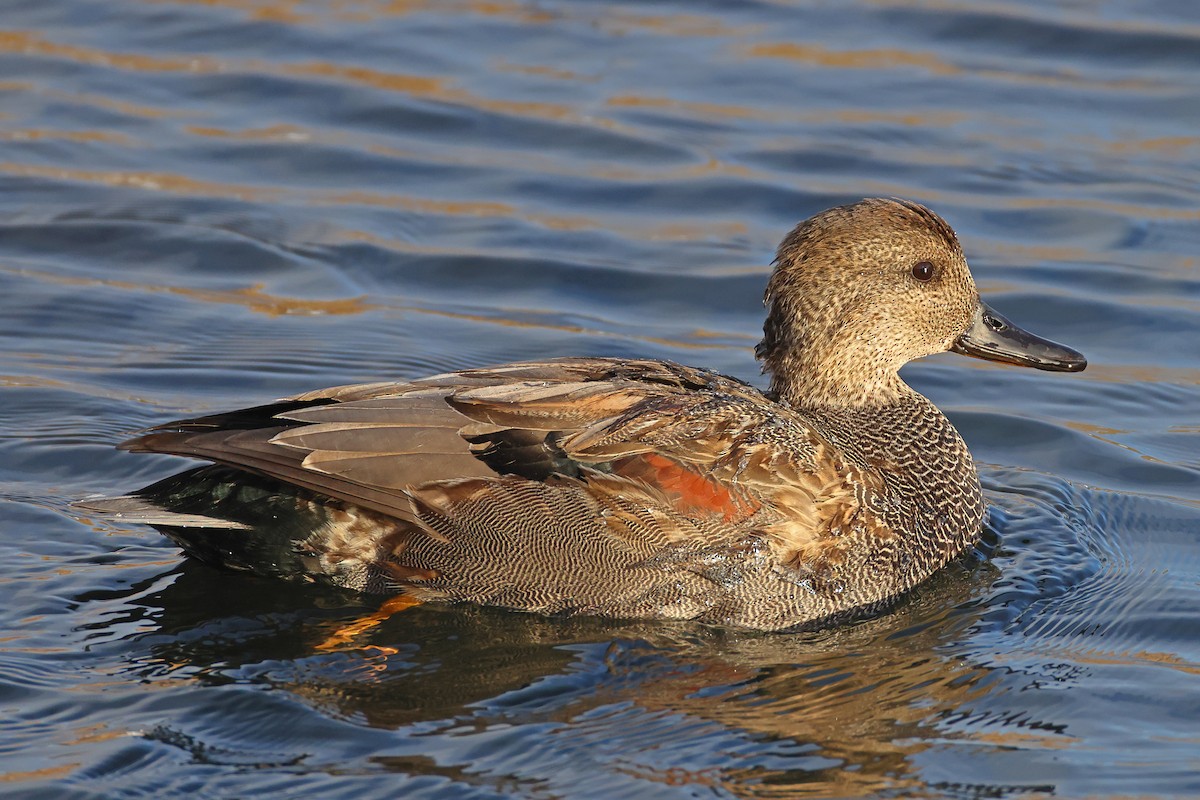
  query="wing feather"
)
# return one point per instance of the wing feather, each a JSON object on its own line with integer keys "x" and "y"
{"x": 680, "y": 452}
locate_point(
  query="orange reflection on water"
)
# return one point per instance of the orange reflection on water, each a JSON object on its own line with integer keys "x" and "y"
{"x": 883, "y": 58}
{"x": 251, "y": 297}
{"x": 255, "y": 299}
{"x": 390, "y": 81}
{"x": 621, "y": 20}
{"x": 44, "y": 134}
{"x": 543, "y": 71}
{"x": 282, "y": 11}
{"x": 1126, "y": 210}
{"x": 154, "y": 181}
{"x": 365, "y": 10}
{"x": 19, "y": 42}
{"x": 1133, "y": 374}
{"x": 718, "y": 110}
{"x": 271, "y": 133}
{"x": 455, "y": 208}
{"x": 512, "y": 322}
{"x": 47, "y": 773}
{"x": 1166, "y": 145}
{"x": 99, "y": 732}
{"x": 892, "y": 58}
{"x": 1135, "y": 658}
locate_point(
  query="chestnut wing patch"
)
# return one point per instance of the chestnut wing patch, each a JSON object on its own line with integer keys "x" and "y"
{"x": 689, "y": 492}
{"x": 752, "y": 464}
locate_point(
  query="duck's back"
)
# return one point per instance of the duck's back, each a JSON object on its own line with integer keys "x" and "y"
{"x": 622, "y": 488}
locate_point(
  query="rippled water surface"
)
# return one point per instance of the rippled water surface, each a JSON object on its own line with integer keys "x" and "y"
{"x": 210, "y": 203}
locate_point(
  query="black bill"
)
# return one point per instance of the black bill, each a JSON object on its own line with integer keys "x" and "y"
{"x": 993, "y": 337}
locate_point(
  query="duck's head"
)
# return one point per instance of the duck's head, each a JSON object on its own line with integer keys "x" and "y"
{"x": 860, "y": 290}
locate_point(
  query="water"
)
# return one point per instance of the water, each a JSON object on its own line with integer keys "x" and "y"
{"x": 210, "y": 204}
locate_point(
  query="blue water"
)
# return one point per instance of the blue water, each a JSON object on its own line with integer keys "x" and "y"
{"x": 210, "y": 204}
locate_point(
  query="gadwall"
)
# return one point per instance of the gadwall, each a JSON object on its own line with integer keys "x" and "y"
{"x": 629, "y": 487}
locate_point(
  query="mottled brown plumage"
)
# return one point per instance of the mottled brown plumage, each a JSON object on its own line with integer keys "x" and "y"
{"x": 633, "y": 488}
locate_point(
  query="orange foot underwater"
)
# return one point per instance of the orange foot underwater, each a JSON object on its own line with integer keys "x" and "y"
{"x": 346, "y": 634}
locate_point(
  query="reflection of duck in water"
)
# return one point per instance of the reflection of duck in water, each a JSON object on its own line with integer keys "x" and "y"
{"x": 803, "y": 714}
{"x": 632, "y": 488}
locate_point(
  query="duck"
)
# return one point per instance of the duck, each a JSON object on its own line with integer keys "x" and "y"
{"x": 631, "y": 488}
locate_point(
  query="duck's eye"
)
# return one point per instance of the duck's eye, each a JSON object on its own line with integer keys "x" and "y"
{"x": 923, "y": 271}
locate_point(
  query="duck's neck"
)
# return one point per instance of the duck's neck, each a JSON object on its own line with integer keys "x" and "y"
{"x": 928, "y": 488}
{"x": 837, "y": 385}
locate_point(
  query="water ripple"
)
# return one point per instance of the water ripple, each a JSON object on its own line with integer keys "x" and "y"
{"x": 207, "y": 204}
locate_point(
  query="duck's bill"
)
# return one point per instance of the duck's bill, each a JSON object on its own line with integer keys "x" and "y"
{"x": 993, "y": 337}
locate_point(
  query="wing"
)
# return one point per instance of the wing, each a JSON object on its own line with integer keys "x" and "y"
{"x": 369, "y": 444}
{"x": 663, "y": 455}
